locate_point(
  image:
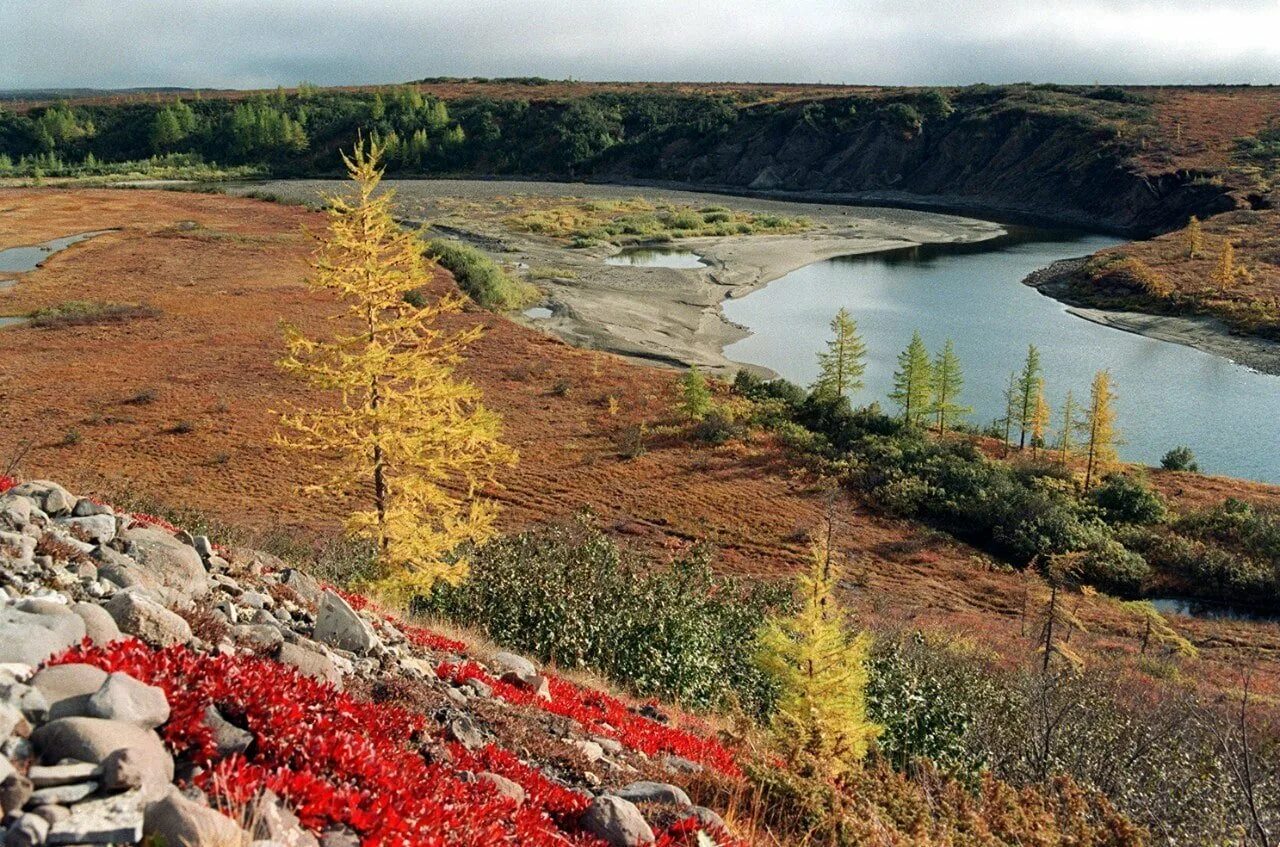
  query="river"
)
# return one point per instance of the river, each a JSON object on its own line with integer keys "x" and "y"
{"x": 1168, "y": 394}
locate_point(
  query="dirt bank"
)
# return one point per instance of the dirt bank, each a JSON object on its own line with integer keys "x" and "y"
{"x": 664, "y": 315}
{"x": 1201, "y": 332}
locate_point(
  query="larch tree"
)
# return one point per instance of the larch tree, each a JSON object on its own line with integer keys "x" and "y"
{"x": 1098, "y": 430}
{"x": 1041, "y": 419}
{"x": 406, "y": 433}
{"x": 841, "y": 367}
{"x": 946, "y": 382}
{"x": 1156, "y": 630}
{"x": 821, "y": 668}
{"x": 1066, "y": 446}
{"x": 1030, "y": 383}
{"x": 912, "y": 382}
{"x": 1010, "y": 409}
{"x": 1224, "y": 273}
{"x": 695, "y": 396}
{"x": 1194, "y": 237}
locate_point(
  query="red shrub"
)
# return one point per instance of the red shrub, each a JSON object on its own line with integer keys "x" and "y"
{"x": 6, "y": 482}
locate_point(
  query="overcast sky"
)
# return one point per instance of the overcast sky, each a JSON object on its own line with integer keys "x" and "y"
{"x": 262, "y": 43}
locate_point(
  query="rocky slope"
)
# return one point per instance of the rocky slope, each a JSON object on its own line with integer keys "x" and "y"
{"x": 156, "y": 685}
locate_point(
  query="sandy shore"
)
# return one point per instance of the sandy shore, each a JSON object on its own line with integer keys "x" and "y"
{"x": 659, "y": 315}
{"x": 1201, "y": 332}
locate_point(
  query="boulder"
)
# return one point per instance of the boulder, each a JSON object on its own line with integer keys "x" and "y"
{"x": 167, "y": 560}
{"x": 263, "y": 638}
{"x": 138, "y": 615}
{"x": 590, "y": 750}
{"x": 86, "y": 508}
{"x": 98, "y": 529}
{"x": 616, "y": 822}
{"x": 123, "y": 698}
{"x": 108, "y": 820}
{"x": 62, "y": 794}
{"x": 15, "y": 791}
{"x": 55, "y": 500}
{"x": 95, "y": 740}
{"x": 99, "y": 627}
{"x": 302, "y": 585}
{"x": 511, "y": 663}
{"x": 12, "y": 722}
{"x": 536, "y": 683}
{"x": 45, "y": 776}
{"x": 309, "y": 662}
{"x": 273, "y": 822}
{"x": 504, "y": 786}
{"x": 18, "y": 548}
{"x": 338, "y": 625}
{"x": 16, "y": 512}
{"x": 30, "y": 830}
{"x": 707, "y": 819}
{"x": 175, "y": 821}
{"x": 122, "y": 770}
{"x": 228, "y": 737}
{"x": 654, "y": 792}
{"x": 67, "y": 688}
{"x": 31, "y": 639}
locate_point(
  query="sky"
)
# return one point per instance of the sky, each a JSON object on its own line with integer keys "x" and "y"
{"x": 264, "y": 43}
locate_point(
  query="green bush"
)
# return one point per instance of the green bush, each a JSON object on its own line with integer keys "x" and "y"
{"x": 1124, "y": 499}
{"x": 1180, "y": 459}
{"x": 480, "y": 277}
{"x": 571, "y": 596}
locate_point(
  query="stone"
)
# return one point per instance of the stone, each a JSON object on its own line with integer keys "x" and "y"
{"x": 138, "y": 615}
{"x": 338, "y": 625}
{"x": 108, "y": 820}
{"x": 52, "y": 813}
{"x": 122, "y": 770}
{"x": 178, "y": 822}
{"x": 44, "y": 776}
{"x": 86, "y": 508}
{"x": 310, "y": 663}
{"x": 30, "y": 830}
{"x": 590, "y": 750}
{"x": 67, "y": 688}
{"x": 302, "y": 585}
{"x": 44, "y": 605}
{"x": 15, "y": 791}
{"x": 228, "y": 737}
{"x": 707, "y": 819}
{"x": 52, "y": 498}
{"x": 173, "y": 564}
{"x": 610, "y": 745}
{"x": 616, "y": 822}
{"x": 99, "y": 627}
{"x": 536, "y": 684}
{"x": 679, "y": 764}
{"x": 510, "y": 662}
{"x": 30, "y": 638}
{"x": 96, "y": 528}
{"x": 263, "y": 638}
{"x": 203, "y": 546}
{"x": 339, "y": 836}
{"x": 15, "y": 511}
{"x": 479, "y": 687}
{"x": 504, "y": 786}
{"x": 13, "y": 721}
{"x": 66, "y": 794}
{"x": 123, "y": 698}
{"x": 95, "y": 739}
{"x": 256, "y": 600}
{"x": 275, "y": 823}
{"x": 20, "y": 549}
{"x": 654, "y": 792}
{"x": 6, "y": 769}
{"x": 462, "y": 730}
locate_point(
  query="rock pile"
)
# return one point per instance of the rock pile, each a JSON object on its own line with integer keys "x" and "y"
{"x": 81, "y": 759}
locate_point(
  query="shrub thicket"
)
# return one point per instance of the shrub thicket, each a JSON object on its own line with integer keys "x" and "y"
{"x": 480, "y": 277}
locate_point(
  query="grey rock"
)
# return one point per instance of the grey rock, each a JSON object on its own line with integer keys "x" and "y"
{"x": 510, "y": 662}
{"x": 167, "y": 560}
{"x": 122, "y": 770}
{"x": 616, "y": 822}
{"x": 123, "y": 698}
{"x": 17, "y": 749}
{"x": 67, "y": 688}
{"x": 86, "y": 508}
{"x": 98, "y": 529}
{"x": 30, "y": 830}
{"x": 610, "y": 745}
{"x": 481, "y": 688}
{"x": 339, "y": 837}
{"x": 179, "y": 822}
{"x": 679, "y": 764}
{"x": 108, "y": 820}
{"x": 707, "y": 819}
{"x": 504, "y": 786}
{"x": 52, "y": 498}
{"x": 275, "y": 823}
{"x": 654, "y": 792}
{"x": 95, "y": 739}
{"x": 44, "y": 776}
{"x": 6, "y": 768}
{"x": 261, "y": 637}
{"x": 256, "y": 600}
{"x": 15, "y": 511}
{"x": 203, "y": 546}
{"x": 13, "y": 721}
{"x": 18, "y": 548}
{"x": 590, "y": 750}
{"x": 302, "y": 585}
{"x": 462, "y": 730}
{"x": 309, "y": 662}
{"x": 99, "y": 626}
{"x": 52, "y": 813}
{"x": 534, "y": 683}
{"x": 43, "y": 606}
{"x": 339, "y": 626}
{"x": 138, "y": 615}
{"x": 68, "y": 794}
{"x": 228, "y": 737}
{"x": 15, "y": 791}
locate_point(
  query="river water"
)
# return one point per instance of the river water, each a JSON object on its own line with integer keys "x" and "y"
{"x": 1168, "y": 394}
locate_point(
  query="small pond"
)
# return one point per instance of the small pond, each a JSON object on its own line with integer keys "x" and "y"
{"x": 1209, "y": 610}
{"x": 538, "y": 313}
{"x": 657, "y": 257}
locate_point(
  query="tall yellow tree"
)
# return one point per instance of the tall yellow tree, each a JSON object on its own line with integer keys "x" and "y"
{"x": 1195, "y": 238}
{"x": 1098, "y": 430}
{"x": 1040, "y": 421}
{"x": 1224, "y": 273}
{"x": 1066, "y": 437}
{"x": 821, "y": 667}
{"x": 407, "y": 433}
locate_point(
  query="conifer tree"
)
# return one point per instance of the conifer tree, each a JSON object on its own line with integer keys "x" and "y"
{"x": 1156, "y": 628}
{"x": 946, "y": 383}
{"x": 1224, "y": 274}
{"x": 1066, "y": 443}
{"x": 1010, "y": 409}
{"x": 912, "y": 383}
{"x": 695, "y": 396}
{"x": 1040, "y": 421}
{"x": 407, "y": 434}
{"x": 1030, "y": 383}
{"x": 1194, "y": 238}
{"x": 1060, "y": 572}
{"x": 1098, "y": 430}
{"x": 840, "y": 369}
{"x": 821, "y": 667}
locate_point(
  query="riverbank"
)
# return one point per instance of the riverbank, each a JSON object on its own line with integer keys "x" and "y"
{"x": 1201, "y": 332}
{"x": 657, "y": 315}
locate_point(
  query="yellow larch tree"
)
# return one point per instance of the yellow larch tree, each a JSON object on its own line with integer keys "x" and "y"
{"x": 1194, "y": 237}
{"x": 1040, "y": 421}
{"x": 407, "y": 435}
{"x": 821, "y": 667}
{"x": 1098, "y": 430}
{"x": 1224, "y": 273}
